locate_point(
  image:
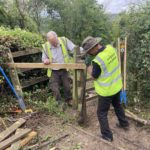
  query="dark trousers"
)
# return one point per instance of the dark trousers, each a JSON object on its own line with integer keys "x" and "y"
{"x": 58, "y": 78}
{"x": 102, "y": 111}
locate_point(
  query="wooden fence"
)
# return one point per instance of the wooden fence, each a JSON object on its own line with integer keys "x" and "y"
{"x": 81, "y": 94}
{"x": 14, "y": 71}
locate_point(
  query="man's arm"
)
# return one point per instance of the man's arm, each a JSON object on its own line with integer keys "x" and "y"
{"x": 94, "y": 70}
{"x": 70, "y": 45}
{"x": 45, "y": 58}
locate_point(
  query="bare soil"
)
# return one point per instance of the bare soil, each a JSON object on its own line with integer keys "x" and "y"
{"x": 50, "y": 127}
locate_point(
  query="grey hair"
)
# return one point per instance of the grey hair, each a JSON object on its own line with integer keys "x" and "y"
{"x": 51, "y": 33}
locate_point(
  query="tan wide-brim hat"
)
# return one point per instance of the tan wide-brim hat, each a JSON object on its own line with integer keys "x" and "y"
{"x": 89, "y": 42}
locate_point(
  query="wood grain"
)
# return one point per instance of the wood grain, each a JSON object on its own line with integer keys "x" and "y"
{"x": 11, "y": 129}
{"x": 51, "y": 66}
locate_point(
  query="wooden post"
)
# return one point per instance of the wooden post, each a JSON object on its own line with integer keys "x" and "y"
{"x": 75, "y": 89}
{"x": 14, "y": 76}
{"x": 80, "y": 87}
{"x": 83, "y": 114}
{"x": 125, "y": 63}
{"x": 119, "y": 51}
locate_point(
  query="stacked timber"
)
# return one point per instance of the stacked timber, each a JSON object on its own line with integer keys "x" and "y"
{"x": 15, "y": 137}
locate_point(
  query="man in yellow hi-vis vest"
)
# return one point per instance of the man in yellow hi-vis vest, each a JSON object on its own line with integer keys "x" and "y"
{"x": 105, "y": 70}
{"x": 55, "y": 50}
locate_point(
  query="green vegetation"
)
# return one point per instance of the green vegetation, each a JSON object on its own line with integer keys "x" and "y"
{"x": 136, "y": 25}
{"x": 14, "y": 13}
{"x": 74, "y": 19}
{"x": 22, "y": 20}
{"x": 19, "y": 39}
{"x": 79, "y": 19}
{"x": 43, "y": 101}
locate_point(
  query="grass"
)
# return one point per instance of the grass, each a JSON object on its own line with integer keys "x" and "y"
{"x": 44, "y": 101}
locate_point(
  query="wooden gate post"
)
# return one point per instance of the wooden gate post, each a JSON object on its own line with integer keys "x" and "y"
{"x": 75, "y": 85}
{"x": 83, "y": 114}
{"x": 14, "y": 76}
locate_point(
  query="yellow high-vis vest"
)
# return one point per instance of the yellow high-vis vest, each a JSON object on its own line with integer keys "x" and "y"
{"x": 110, "y": 81}
{"x": 47, "y": 48}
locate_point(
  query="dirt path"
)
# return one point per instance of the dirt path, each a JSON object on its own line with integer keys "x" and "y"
{"x": 135, "y": 139}
{"x": 52, "y": 127}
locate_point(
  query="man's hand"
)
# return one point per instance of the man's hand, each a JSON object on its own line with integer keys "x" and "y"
{"x": 89, "y": 70}
{"x": 46, "y": 61}
{"x": 88, "y": 60}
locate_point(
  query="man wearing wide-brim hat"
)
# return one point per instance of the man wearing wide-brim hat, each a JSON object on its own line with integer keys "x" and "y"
{"x": 105, "y": 70}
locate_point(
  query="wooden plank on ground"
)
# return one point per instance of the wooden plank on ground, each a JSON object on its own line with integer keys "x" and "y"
{"x": 51, "y": 66}
{"x": 41, "y": 145}
{"x": 136, "y": 118}
{"x": 26, "y": 52}
{"x": 3, "y": 122}
{"x": 92, "y": 98}
{"x": 28, "y": 138}
{"x": 11, "y": 129}
{"x": 16, "y": 145}
{"x": 14, "y": 138}
{"x": 21, "y": 143}
{"x": 90, "y": 89}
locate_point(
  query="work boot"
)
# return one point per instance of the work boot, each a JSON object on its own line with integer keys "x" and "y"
{"x": 125, "y": 127}
{"x": 109, "y": 139}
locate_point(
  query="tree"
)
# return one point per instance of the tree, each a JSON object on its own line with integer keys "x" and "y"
{"x": 14, "y": 13}
{"x": 77, "y": 19}
{"x": 36, "y": 8}
{"x": 136, "y": 25}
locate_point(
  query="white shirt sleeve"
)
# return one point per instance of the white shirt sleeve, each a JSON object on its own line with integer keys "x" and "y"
{"x": 44, "y": 56}
{"x": 81, "y": 50}
{"x": 71, "y": 46}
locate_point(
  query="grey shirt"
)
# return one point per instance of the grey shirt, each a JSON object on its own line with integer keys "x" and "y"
{"x": 57, "y": 54}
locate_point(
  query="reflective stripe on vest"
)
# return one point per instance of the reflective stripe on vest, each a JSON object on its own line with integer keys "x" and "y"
{"x": 46, "y": 48}
{"x": 109, "y": 82}
{"x": 106, "y": 73}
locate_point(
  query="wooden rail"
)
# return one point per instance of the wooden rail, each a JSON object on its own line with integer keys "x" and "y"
{"x": 34, "y": 81}
{"x": 78, "y": 66}
{"x": 92, "y": 98}
{"x": 22, "y": 70}
{"x": 90, "y": 89}
{"x": 25, "y": 52}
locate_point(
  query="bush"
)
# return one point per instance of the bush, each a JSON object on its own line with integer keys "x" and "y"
{"x": 139, "y": 53}
{"x": 136, "y": 25}
{"x": 19, "y": 39}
